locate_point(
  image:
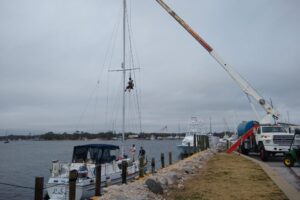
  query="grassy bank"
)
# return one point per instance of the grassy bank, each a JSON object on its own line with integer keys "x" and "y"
{"x": 228, "y": 177}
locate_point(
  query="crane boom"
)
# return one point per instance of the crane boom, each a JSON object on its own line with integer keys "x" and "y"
{"x": 244, "y": 85}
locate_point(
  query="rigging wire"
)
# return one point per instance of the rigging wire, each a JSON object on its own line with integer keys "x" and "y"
{"x": 85, "y": 108}
{"x": 94, "y": 90}
{"x": 116, "y": 104}
{"x": 17, "y": 186}
{"x": 113, "y": 43}
{"x": 132, "y": 62}
{"x": 95, "y": 110}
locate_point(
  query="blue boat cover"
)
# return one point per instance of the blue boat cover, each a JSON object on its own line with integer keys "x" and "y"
{"x": 95, "y": 153}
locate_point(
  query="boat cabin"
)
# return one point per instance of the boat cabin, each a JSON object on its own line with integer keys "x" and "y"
{"x": 95, "y": 153}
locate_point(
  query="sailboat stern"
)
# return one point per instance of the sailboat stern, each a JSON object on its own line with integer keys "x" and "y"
{"x": 59, "y": 191}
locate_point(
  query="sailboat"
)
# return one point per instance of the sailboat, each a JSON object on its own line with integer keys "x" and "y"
{"x": 86, "y": 157}
{"x": 6, "y": 138}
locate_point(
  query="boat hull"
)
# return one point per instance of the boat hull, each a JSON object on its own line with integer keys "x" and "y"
{"x": 186, "y": 149}
{"x": 86, "y": 189}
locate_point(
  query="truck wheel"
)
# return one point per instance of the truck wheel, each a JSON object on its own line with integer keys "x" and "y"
{"x": 264, "y": 155}
{"x": 288, "y": 161}
{"x": 244, "y": 151}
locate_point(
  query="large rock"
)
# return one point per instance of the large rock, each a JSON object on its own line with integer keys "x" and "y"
{"x": 172, "y": 178}
{"x": 163, "y": 181}
{"x": 154, "y": 186}
{"x": 188, "y": 170}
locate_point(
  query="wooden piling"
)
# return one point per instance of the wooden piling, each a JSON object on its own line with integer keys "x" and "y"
{"x": 198, "y": 143}
{"x": 170, "y": 158}
{"x": 107, "y": 181}
{"x": 162, "y": 160}
{"x": 39, "y": 185}
{"x": 141, "y": 166}
{"x": 98, "y": 181}
{"x": 153, "y": 165}
{"x": 207, "y": 142}
{"x": 124, "y": 172}
{"x": 202, "y": 143}
{"x": 195, "y": 143}
{"x": 72, "y": 184}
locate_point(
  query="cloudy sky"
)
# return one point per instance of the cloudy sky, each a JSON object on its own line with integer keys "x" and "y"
{"x": 55, "y": 56}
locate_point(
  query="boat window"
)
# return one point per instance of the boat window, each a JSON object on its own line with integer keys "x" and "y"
{"x": 115, "y": 152}
{"x": 105, "y": 156}
{"x": 80, "y": 154}
{"x": 95, "y": 153}
{"x": 273, "y": 129}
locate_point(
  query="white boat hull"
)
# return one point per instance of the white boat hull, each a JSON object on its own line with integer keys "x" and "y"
{"x": 186, "y": 149}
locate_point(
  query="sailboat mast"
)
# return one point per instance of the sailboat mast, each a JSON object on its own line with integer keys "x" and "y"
{"x": 124, "y": 72}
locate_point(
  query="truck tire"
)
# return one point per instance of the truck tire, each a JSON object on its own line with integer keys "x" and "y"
{"x": 244, "y": 150}
{"x": 264, "y": 155}
{"x": 288, "y": 161}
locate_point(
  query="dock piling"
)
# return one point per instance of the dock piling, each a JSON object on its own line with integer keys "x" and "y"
{"x": 39, "y": 185}
{"x": 107, "y": 181}
{"x": 98, "y": 180}
{"x": 202, "y": 143}
{"x": 72, "y": 184}
{"x": 124, "y": 172}
{"x": 207, "y": 141}
{"x": 170, "y": 158}
{"x": 141, "y": 166}
{"x": 153, "y": 165}
{"x": 195, "y": 143}
{"x": 162, "y": 159}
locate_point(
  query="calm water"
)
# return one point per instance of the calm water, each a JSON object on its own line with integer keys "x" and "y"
{"x": 22, "y": 161}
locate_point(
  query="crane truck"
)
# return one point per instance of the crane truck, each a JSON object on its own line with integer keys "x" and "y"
{"x": 266, "y": 136}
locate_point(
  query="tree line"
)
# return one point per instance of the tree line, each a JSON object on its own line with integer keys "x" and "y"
{"x": 109, "y": 135}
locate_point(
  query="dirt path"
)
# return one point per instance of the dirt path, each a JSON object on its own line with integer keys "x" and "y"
{"x": 229, "y": 177}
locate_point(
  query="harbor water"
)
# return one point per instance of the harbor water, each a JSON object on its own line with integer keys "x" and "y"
{"x": 22, "y": 161}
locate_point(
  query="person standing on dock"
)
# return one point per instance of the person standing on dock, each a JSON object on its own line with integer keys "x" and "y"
{"x": 132, "y": 152}
{"x": 142, "y": 156}
{"x": 142, "y": 153}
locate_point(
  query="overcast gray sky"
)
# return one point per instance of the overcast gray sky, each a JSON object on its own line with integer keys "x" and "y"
{"x": 54, "y": 57}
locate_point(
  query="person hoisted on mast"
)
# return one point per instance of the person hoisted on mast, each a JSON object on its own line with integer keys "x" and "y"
{"x": 130, "y": 85}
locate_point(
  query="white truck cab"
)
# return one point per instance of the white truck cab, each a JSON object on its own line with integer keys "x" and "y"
{"x": 271, "y": 140}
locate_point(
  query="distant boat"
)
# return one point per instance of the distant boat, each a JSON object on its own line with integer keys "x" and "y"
{"x": 187, "y": 145}
{"x": 152, "y": 137}
{"x": 6, "y": 138}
